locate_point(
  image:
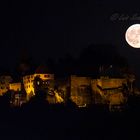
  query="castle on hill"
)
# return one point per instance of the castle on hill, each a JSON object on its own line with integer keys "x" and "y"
{"x": 109, "y": 88}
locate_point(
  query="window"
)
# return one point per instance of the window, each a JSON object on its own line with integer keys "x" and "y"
{"x": 47, "y": 82}
{"x": 38, "y": 83}
{"x": 46, "y": 76}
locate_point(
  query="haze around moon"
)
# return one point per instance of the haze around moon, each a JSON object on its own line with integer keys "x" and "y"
{"x": 132, "y": 36}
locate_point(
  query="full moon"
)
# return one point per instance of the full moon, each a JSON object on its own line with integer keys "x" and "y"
{"x": 132, "y": 36}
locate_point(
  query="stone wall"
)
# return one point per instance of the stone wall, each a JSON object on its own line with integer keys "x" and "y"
{"x": 110, "y": 90}
{"x": 81, "y": 93}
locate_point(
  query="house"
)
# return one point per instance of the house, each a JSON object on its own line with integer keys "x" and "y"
{"x": 42, "y": 73}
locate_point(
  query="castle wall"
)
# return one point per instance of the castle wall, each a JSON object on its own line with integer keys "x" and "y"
{"x": 110, "y": 89}
{"x": 80, "y": 90}
{"x": 110, "y": 82}
{"x": 15, "y": 86}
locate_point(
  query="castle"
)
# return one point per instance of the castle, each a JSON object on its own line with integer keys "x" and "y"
{"x": 82, "y": 90}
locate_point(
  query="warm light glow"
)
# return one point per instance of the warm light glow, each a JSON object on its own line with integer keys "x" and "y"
{"x": 28, "y": 81}
{"x": 15, "y": 86}
{"x": 59, "y": 99}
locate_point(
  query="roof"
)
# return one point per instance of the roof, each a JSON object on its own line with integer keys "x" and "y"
{"x": 107, "y": 88}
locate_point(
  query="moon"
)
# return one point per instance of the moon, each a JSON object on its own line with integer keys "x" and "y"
{"x": 132, "y": 35}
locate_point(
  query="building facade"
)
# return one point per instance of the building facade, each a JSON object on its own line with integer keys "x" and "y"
{"x": 28, "y": 82}
{"x": 110, "y": 90}
{"x": 80, "y": 90}
{"x": 15, "y": 86}
{"x": 5, "y": 80}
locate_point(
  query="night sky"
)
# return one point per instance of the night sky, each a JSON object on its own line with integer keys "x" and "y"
{"x": 54, "y": 28}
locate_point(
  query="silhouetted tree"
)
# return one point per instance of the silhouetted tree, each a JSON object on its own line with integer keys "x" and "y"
{"x": 5, "y": 101}
{"x": 94, "y": 56}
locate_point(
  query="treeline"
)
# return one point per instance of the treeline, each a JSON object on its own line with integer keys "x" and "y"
{"x": 87, "y": 62}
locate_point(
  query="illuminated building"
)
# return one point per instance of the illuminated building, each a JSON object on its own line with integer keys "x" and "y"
{"x": 109, "y": 88}
{"x": 46, "y": 88}
{"x": 5, "y": 80}
{"x": 18, "y": 96}
{"x": 15, "y": 86}
{"x": 28, "y": 80}
{"x": 112, "y": 88}
{"x": 81, "y": 93}
{"x": 85, "y": 91}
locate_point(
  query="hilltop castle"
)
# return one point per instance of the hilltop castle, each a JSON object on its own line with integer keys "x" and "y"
{"x": 108, "y": 88}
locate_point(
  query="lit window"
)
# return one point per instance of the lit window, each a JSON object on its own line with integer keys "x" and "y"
{"x": 38, "y": 82}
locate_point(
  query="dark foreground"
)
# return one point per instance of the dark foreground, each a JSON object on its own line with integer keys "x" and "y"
{"x": 64, "y": 123}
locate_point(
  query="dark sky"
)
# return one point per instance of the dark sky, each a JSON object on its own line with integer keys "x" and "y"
{"x": 53, "y": 28}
